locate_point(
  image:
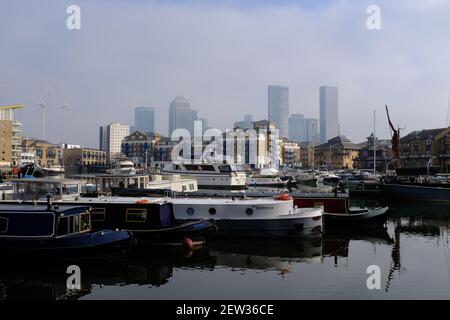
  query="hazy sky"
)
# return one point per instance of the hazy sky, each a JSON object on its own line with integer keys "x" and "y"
{"x": 222, "y": 55}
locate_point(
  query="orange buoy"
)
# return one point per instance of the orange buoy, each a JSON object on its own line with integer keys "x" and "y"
{"x": 187, "y": 243}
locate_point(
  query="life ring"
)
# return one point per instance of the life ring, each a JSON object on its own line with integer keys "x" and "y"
{"x": 143, "y": 201}
{"x": 283, "y": 197}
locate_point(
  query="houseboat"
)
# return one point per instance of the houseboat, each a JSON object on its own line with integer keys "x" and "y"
{"x": 29, "y": 230}
{"x": 151, "y": 220}
{"x": 243, "y": 217}
{"x": 208, "y": 175}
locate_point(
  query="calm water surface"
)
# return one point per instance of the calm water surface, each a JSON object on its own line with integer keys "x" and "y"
{"x": 412, "y": 251}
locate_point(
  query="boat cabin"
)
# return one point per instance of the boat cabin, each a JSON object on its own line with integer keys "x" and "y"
{"x": 23, "y": 221}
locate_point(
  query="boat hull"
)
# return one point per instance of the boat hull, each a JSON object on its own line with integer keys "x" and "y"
{"x": 196, "y": 231}
{"x": 415, "y": 192}
{"x": 375, "y": 216}
{"x": 94, "y": 245}
{"x": 294, "y": 227}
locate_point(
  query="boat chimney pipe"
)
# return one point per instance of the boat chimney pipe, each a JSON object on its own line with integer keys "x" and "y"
{"x": 49, "y": 202}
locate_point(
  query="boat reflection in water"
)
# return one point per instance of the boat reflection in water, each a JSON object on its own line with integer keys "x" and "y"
{"x": 156, "y": 268}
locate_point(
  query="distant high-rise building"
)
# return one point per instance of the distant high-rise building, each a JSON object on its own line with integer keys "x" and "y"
{"x": 181, "y": 116}
{"x": 102, "y": 144}
{"x": 329, "y": 113}
{"x": 312, "y": 130}
{"x": 247, "y": 123}
{"x": 278, "y": 108}
{"x": 297, "y": 129}
{"x": 144, "y": 119}
{"x": 302, "y": 129}
{"x": 205, "y": 125}
{"x": 111, "y": 137}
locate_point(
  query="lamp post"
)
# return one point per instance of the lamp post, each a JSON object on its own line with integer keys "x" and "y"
{"x": 429, "y": 164}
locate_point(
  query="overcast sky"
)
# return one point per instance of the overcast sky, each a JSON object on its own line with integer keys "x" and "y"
{"x": 221, "y": 56}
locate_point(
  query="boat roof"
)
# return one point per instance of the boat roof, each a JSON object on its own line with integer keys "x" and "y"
{"x": 45, "y": 180}
{"x": 219, "y": 201}
{"x": 61, "y": 209}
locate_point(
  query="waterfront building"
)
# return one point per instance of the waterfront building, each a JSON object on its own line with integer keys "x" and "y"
{"x": 269, "y": 143}
{"x": 163, "y": 149}
{"x": 278, "y": 108}
{"x": 307, "y": 155}
{"x": 365, "y": 157}
{"x": 329, "y": 113}
{"x": 47, "y": 154}
{"x": 111, "y": 137}
{"x": 181, "y": 116}
{"x": 81, "y": 160}
{"x": 418, "y": 147}
{"x": 140, "y": 146}
{"x": 15, "y": 137}
{"x": 337, "y": 153}
{"x": 290, "y": 153}
{"x": 247, "y": 123}
{"x": 6, "y": 136}
{"x": 144, "y": 119}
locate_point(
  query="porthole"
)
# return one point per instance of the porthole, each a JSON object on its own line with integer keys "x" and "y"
{"x": 249, "y": 211}
{"x": 212, "y": 211}
{"x": 190, "y": 211}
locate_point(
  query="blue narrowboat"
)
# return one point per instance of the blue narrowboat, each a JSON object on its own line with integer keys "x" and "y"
{"x": 28, "y": 230}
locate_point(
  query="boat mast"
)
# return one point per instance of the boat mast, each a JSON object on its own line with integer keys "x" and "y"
{"x": 374, "y": 143}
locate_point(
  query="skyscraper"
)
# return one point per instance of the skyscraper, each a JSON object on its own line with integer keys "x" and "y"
{"x": 247, "y": 123}
{"x": 312, "y": 130}
{"x": 297, "y": 129}
{"x": 181, "y": 115}
{"x": 144, "y": 119}
{"x": 329, "y": 113}
{"x": 278, "y": 108}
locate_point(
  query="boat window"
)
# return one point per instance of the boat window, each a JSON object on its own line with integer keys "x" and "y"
{"x": 249, "y": 211}
{"x": 225, "y": 168}
{"x": 191, "y": 167}
{"x": 191, "y": 186}
{"x": 75, "y": 224}
{"x": 98, "y": 214}
{"x": 207, "y": 168}
{"x": 3, "y": 225}
{"x": 190, "y": 211}
{"x": 136, "y": 215}
{"x": 62, "y": 227}
{"x": 85, "y": 223}
{"x": 212, "y": 211}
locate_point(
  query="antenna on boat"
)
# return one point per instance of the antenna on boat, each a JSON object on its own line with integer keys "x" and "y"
{"x": 49, "y": 202}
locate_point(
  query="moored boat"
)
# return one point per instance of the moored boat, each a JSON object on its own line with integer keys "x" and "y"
{"x": 63, "y": 232}
{"x": 242, "y": 217}
{"x": 337, "y": 210}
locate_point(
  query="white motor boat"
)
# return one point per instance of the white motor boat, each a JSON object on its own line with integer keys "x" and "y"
{"x": 123, "y": 167}
{"x": 264, "y": 217}
{"x": 209, "y": 175}
{"x": 266, "y": 178}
